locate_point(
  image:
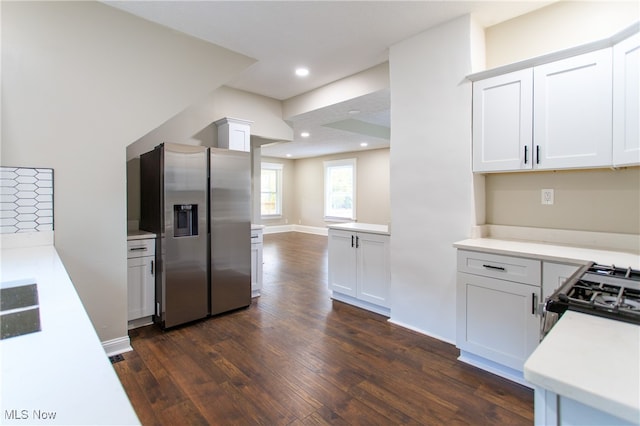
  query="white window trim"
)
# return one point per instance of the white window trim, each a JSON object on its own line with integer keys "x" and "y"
{"x": 336, "y": 163}
{"x": 280, "y": 167}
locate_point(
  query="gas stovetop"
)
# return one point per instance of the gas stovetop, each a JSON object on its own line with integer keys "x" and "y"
{"x": 606, "y": 291}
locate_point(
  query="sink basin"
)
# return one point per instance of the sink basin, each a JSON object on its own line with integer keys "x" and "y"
{"x": 19, "y": 309}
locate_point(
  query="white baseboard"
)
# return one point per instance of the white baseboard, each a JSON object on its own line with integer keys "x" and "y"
{"x": 140, "y": 322}
{"x": 311, "y": 230}
{"x": 495, "y": 368}
{"x": 117, "y": 346}
{"x": 418, "y": 330}
{"x": 360, "y": 303}
{"x": 275, "y": 229}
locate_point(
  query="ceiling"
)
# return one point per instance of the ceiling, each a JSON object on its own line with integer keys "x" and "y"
{"x": 333, "y": 39}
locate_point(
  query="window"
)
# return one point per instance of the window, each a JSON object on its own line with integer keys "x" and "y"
{"x": 340, "y": 189}
{"x": 271, "y": 190}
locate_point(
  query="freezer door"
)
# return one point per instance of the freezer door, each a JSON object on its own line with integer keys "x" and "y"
{"x": 184, "y": 239}
{"x": 229, "y": 204}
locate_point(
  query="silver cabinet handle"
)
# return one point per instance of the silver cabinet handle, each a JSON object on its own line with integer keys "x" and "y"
{"x": 534, "y": 303}
{"x": 138, "y": 249}
{"x": 357, "y": 241}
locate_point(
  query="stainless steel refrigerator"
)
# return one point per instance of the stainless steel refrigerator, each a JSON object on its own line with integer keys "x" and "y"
{"x": 198, "y": 202}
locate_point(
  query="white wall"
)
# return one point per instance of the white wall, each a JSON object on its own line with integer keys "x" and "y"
{"x": 194, "y": 126}
{"x": 431, "y": 182}
{"x": 80, "y": 82}
{"x": 559, "y": 26}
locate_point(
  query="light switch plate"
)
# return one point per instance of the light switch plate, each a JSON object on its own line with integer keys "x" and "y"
{"x": 547, "y": 196}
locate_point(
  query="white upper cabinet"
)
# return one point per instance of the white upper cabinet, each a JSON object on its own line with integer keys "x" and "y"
{"x": 502, "y": 122}
{"x": 626, "y": 102}
{"x": 573, "y": 109}
{"x": 572, "y": 104}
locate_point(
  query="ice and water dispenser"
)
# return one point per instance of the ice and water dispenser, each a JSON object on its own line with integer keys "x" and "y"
{"x": 185, "y": 220}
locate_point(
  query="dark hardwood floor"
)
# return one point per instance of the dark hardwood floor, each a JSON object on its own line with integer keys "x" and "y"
{"x": 295, "y": 357}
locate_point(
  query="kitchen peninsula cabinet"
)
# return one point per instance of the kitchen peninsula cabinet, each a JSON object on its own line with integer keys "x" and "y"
{"x": 359, "y": 272}
{"x": 572, "y": 384}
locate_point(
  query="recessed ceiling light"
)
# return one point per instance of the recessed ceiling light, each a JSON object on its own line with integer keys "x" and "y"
{"x": 288, "y": 155}
{"x": 302, "y": 72}
{"x": 354, "y": 111}
{"x": 363, "y": 144}
{"x": 304, "y": 134}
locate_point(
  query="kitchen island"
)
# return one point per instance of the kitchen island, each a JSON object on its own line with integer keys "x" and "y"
{"x": 60, "y": 374}
{"x": 587, "y": 371}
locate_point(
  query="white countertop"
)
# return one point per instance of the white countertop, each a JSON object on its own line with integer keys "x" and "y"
{"x": 592, "y": 360}
{"x": 63, "y": 368}
{"x": 550, "y": 252}
{"x": 139, "y": 235}
{"x": 361, "y": 227}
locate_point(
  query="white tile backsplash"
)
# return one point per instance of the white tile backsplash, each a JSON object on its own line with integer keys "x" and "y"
{"x": 26, "y": 200}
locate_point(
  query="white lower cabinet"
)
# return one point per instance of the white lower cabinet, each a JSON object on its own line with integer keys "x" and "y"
{"x": 498, "y": 319}
{"x": 140, "y": 281}
{"x": 499, "y": 305}
{"x": 497, "y": 309}
{"x": 359, "y": 271}
{"x": 256, "y": 262}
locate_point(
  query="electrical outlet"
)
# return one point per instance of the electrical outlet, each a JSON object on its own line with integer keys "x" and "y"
{"x": 547, "y": 196}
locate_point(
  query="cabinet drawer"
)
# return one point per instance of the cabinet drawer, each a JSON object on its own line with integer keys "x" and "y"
{"x": 139, "y": 248}
{"x": 526, "y": 271}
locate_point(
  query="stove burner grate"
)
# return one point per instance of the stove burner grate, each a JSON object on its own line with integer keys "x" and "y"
{"x": 609, "y": 297}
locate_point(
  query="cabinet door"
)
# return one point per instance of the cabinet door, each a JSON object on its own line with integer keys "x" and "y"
{"x": 256, "y": 269}
{"x": 141, "y": 287}
{"x": 554, "y": 275}
{"x": 373, "y": 270}
{"x": 342, "y": 262}
{"x": 497, "y": 319}
{"x": 626, "y": 102}
{"x": 502, "y": 122}
{"x": 572, "y": 112}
